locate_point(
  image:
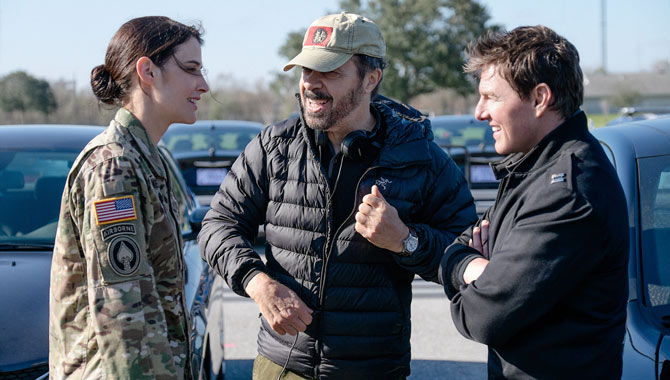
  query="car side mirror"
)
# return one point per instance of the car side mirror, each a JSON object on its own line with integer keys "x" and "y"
{"x": 195, "y": 220}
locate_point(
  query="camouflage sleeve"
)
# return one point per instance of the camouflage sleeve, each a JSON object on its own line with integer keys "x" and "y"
{"x": 116, "y": 217}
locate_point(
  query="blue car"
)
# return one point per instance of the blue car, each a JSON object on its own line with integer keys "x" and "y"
{"x": 206, "y": 150}
{"x": 628, "y": 114}
{"x": 34, "y": 162}
{"x": 640, "y": 152}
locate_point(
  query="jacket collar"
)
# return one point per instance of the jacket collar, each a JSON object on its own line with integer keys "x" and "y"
{"x": 406, "y": 131}
{"x": 571, "y": 129}
{"x": 136, "y": 132}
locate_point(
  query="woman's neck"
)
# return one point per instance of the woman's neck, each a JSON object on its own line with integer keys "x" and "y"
{"x": 151, "y": 121}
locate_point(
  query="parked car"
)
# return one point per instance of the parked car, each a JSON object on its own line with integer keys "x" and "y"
{"x": 470, "y": 144}
{"x": 207, "y": 149}
{"x": 34, "y": 163}
{"x": 640, "y": 152}
{"x": 627, "y": 114}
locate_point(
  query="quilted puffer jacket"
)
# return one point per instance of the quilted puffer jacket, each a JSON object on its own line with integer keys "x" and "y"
{"x": 360, "y": 293}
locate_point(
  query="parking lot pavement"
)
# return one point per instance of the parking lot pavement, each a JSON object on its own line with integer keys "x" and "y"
{"x": 438, "y": 350}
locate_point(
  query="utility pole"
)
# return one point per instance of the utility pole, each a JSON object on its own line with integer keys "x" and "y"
{"x": 0, "y": 29}
{"x": 603, "y": 33}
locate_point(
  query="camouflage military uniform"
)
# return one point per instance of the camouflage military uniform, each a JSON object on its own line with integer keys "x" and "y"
{"x": 117, "y": 278}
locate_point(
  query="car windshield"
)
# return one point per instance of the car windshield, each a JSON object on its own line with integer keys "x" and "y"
{"x": 230, "y": 138}
{"x": 654, "y": 179}
{"x": 462, "y": 132}
{"x": 471, "y": 145}
{"x": 31, "y": 186}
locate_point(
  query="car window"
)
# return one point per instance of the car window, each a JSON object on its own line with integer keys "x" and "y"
{"x": 186, "y": 142}
{"x": 654, "y": 179}
{"x": 230, "y": 138}
{"x": 31, "y": 187}
{"x": 465, "y": 133}
{"x": 470, "y": 143}
{"x": 234, "y": 140}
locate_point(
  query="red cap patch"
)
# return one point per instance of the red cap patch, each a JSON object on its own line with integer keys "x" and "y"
{"x": 318, "y": 35}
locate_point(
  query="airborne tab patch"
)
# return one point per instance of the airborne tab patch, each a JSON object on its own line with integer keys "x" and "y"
{"x": 118, "y": 229}
{"x": 115, "y": 210}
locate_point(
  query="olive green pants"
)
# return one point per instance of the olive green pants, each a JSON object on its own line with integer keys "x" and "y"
{"x": 266, "y": 369}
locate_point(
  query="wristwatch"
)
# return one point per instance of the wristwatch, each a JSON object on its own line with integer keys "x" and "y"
{"x": 410, "y": 243}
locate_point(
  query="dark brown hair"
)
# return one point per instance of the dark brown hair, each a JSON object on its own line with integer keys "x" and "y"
{"x": 528, "y": 56}
{"x": 155, "y": 37}
{"x": 365, "y": 64}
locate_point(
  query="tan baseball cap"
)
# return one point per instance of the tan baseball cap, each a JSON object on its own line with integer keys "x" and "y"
{"x": 331, "y": 40}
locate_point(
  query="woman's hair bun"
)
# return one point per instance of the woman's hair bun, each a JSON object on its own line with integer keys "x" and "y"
{"x": 104, "y": 87}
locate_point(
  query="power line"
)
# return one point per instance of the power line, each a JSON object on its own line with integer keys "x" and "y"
{"x": 603, "y": 49}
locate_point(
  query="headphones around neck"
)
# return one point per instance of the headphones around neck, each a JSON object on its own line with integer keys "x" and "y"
{"x": 357, "y": 145}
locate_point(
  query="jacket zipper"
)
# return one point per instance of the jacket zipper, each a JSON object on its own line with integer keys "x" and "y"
{"x": 329, "y": 249}
{"x": 180, "y": 254}
{"x": 329, "y": 241}
{"x": 174, "y": 219}
{"x": 501, "y": 188}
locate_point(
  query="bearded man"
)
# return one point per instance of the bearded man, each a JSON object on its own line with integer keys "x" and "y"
{"x": 355, "y": 199}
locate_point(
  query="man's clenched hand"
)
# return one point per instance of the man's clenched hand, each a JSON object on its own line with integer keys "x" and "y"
{"x": 281, "y": 307}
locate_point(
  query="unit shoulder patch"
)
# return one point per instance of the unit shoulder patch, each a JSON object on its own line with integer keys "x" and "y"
{"x": 124, "y": 256}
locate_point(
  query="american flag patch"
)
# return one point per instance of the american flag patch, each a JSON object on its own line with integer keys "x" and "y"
{"x": 115, "y": 210}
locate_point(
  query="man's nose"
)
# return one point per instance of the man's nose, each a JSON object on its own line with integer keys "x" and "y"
{"x": 480, "y": 111}
{"x": 311, "y": 80}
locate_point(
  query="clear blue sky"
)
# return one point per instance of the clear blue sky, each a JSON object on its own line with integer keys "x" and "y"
{"x": 65, "y": 39}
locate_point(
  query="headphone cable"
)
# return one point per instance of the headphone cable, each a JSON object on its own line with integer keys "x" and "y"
{"x": 337, "y": 179}
{"x": 289, "y": 357}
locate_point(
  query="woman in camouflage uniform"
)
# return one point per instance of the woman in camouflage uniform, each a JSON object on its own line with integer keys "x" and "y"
{"x": 117, "y": 309}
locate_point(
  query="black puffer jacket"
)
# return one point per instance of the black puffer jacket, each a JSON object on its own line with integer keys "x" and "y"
{"x": 360, "y": 294}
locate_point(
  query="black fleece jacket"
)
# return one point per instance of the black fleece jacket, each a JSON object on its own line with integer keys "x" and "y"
{"x": 551, "y": 304}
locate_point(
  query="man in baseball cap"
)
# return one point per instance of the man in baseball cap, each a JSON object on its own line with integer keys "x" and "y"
{"x": 356, "y": 200}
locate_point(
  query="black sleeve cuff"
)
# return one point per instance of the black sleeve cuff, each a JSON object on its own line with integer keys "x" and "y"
{"x": 245, "y": 281}
{"x": 456, "y": 258}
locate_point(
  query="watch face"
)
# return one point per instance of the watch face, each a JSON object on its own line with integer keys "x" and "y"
{"x": 411, "y": 243}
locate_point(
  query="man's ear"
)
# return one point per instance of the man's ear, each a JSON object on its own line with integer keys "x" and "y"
{"x": 373, "y": 78}
{"x": 145, "y": 70}
{"x": 542, "y": 98}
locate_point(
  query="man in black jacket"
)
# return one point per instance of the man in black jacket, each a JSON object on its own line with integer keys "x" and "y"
{"x": 356, "y": 200}
{"x": 542, "y": 278}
